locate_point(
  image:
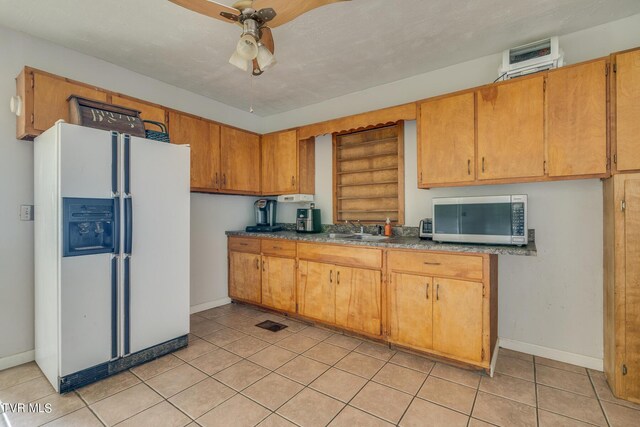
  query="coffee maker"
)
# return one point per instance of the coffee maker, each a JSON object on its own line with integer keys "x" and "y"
{"x": 308, "y": 220}
{"x": 265, "y": 211}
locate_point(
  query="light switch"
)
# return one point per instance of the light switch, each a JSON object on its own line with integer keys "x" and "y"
{"x": 26, "y": 213}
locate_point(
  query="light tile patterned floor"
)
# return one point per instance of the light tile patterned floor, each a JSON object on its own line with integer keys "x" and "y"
{"x": 235, "y": 374}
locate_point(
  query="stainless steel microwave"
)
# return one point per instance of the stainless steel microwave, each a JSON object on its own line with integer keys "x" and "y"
{"x": 486, "y": 219}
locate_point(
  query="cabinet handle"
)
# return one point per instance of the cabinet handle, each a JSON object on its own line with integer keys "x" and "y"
{"x": 431, "y": 263}
{"x": 427, "y": 291}
{"x": 420, "y": 176}
{"x": 216, "y": 179}
{"x": 331, "y": 276}
{"x": 263, "y": 263}
{"x": 469, "y": 167}
{"x": 224, "y": 179}
{"x": 338, "y": 277}
{"x": 244, "y": 244}
{"x": 293, "y": 181}
{"x": 483, "y": 164}
{"x": 438, "y": 292}
{"x": 277, "y": 247}
{"x": 257, "y": 264}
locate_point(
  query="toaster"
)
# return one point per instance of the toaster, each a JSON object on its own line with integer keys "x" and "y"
{"x": 426, "y": 229}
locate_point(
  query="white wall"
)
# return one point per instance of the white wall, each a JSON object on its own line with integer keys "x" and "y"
{"x": 211, "y": 215}
{"x": 550, "y": 304}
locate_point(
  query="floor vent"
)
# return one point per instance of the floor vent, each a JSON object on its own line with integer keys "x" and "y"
{"x": 271, "y": 326}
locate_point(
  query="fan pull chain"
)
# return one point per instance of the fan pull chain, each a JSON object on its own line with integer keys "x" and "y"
{"x": 252, "y": 94}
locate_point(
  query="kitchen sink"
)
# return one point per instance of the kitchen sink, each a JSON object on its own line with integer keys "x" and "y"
{"x": 357, "y": 236}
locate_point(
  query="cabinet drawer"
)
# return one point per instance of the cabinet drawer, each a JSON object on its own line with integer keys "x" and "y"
{"x": 436, "y": 264}
{"x": 279, "y": 248}
{"x": 341, "y": 255}
{"x": 243, "y": 244}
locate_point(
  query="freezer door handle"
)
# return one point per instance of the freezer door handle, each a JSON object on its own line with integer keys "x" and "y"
{"x": 128, "y": 225}
{"x": 127, "y": 303}
{"x": 127, "y": 164}
{"x": 114, "y": 162}
{"x": 114, "y": 307}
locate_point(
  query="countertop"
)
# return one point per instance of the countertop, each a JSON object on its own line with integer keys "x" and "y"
{"x": 396, "y": 242}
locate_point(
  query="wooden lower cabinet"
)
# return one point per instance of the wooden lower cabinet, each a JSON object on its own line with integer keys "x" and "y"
{"x": 244, "y": 276}
{"x": 457, "y": 318}
{"x": 444, "y": 304}
{"x": 410, "y": 310}
{"x": 359, "y": 299}
{"x": 622, "y": 285}
{"x": 316, "y": 291}
{"x": 279, "y": 283}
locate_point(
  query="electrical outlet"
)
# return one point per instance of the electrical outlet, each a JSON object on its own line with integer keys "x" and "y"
{"x": 26, "y": 213}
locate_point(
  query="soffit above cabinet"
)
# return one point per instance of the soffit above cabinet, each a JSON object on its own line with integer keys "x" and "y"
{"x": 321, "y": 55}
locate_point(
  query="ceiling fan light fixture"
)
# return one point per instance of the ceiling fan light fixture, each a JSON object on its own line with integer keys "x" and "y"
{"x": 265, "y": 58}
{"x": 247, "y": 47}
{"x": 238, "y": 61}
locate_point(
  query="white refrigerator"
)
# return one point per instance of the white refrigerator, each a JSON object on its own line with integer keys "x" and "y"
{"x": 111, "y": 252}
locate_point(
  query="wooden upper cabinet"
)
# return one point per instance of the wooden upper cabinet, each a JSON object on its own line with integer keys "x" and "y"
{"x": 511, "y": 129}
{"x": 409, "y": 301}
{"x": 50, "y": 96}
{"x": 185, "y": 129}
{"x": 446, "y": 140}
{"x": 577, "y": 119}
{"x": 280, "y": 163}
{"x": 288, "y": 164}
{"x": 457, "y": 318}
{"x": 239, "y": 161}
{"x": 358, "y": 299}
{"x": 244, "y": 276}
{"x": 627, "y": 110}
{"x": 147, "y": 111}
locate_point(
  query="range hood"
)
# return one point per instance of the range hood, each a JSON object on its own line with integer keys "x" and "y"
{"x": 295, "y": 198}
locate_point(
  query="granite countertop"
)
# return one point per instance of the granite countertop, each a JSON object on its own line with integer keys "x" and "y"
{"x": 396, "y": 242}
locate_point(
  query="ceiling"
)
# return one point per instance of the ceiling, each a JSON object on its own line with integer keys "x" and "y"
{"x": 331, "y": 51}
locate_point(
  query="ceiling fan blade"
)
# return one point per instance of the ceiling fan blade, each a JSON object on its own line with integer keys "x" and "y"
{"x": 267, "y": 39}
{"x": 208, "y": 8}
{"x": 287, "y": 10}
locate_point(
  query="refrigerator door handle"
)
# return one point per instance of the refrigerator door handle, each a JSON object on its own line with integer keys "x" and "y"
{"x": 114, "y": 163}
{"x": 128, "y": 225}
{"x": 127, "y": 304}
{"x": 114, "y": 306}
{"x": 116, "y": 225}
{"x": 127, "y": 164}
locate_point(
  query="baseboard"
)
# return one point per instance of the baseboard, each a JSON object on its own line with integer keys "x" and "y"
{"x": 17, "y": 359}
{"x": 551, "y": 353}
{"x": 211, "y": 304}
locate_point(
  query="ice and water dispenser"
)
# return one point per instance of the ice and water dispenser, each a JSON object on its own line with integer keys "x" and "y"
{"x": 90, "y": 226}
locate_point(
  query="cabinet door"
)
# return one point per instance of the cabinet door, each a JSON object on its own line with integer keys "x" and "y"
{"x": 195, "y": 132}
{"x": 279, "y": 283}
{"x": 244, "y": 276}
{"x": 627, "y": 115}
{"x": 446, "y": 144}
{"x": 457, "y": 318}
{"x": 280, "y": 163}
{"x": 147, "y": 111}
{"x": 50, "y": 99}
{"x": 511, "y": 129}
{"x": 577, "y": 120}
{"x": 410, "y": 310}
{"x": 358, "y": 299}
{"x": 317, "y": 291}
{"x": 632, "y": 288}
{"x": 239, "y": 161}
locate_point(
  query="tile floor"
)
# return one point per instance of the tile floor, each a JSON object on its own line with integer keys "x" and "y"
{"x": 235, "y": 374}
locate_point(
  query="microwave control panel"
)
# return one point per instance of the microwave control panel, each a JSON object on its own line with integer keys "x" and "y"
{"x": 517, "y": 219}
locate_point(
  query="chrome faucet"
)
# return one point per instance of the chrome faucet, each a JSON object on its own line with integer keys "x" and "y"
{"x": 346, "y": 221}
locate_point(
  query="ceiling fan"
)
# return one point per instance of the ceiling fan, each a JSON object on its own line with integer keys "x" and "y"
{"x": 255, "y": 50}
